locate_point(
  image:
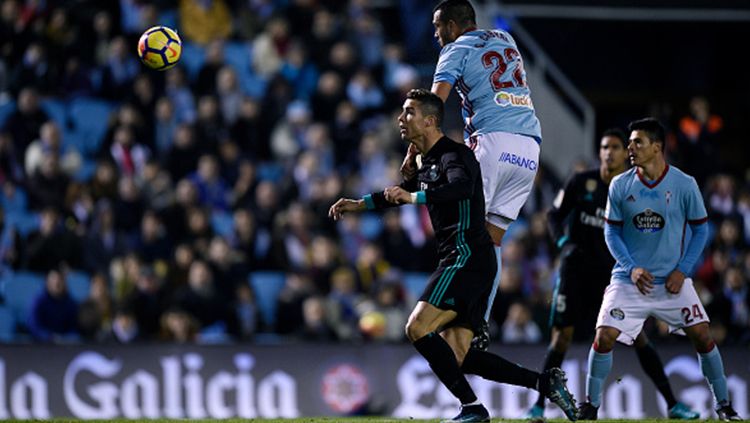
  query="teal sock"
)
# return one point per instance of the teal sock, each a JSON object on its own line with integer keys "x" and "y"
{"x": 713, "y": 369}
{"x": 599, "y": 368}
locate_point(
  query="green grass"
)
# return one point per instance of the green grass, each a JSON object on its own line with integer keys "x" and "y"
{"x": 325, "y": 420}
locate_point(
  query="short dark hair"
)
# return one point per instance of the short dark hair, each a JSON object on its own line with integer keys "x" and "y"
{"x": 652, "y": 127}
{"x": 617, "y": 133}
{"x": 458, "y": 11}
{"x": 430, "y": 103}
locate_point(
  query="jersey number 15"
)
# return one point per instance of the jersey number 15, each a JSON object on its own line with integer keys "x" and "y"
{"x": 500, "y": 63}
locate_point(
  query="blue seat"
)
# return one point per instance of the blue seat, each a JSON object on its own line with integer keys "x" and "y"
{"x": 267, "y": 287}
{"x": 79, "y": 284}
{"x": 7, "y": 325}
{"x": 238, "y": 55}
{"x": 20, "y": 291}
{"x": 6, "y": 109}
{"x": 90, "y": 118}
{"x": 17, "y": 203}
{"x": 370, "y": 225}
{"x": 192, "y": 59}
{"x": 23, "y": 222}
{"x": 414, "y": 284}
{"x": 222, "y": 223}
{"x": 57, "y": 110}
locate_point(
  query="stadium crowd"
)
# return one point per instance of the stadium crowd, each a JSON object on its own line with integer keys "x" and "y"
{"x": 168, "y": 191}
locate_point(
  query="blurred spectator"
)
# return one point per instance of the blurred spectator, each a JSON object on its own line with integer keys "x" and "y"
{"x": 35, "y": 70}
{"x": 52, "y": 244}
{"x": 179, "y": 94}
{"x": 178, "y": 326}
{"x": 165, "y": 126}
{"x": 699, "y": 139}
{"x": 299, "y": 71}
{"x": 205, "y": 82}
{"x": 103, "y": 243}
{"x": 125, "y": 327}
{"x": 129, "y": 155}
{"x": 128, "y": 206}
{"x": 247, "y": 311}
{"x": 288, "y": 136}
{"x": 50, "y": 142}
{"x": 152, "y": 241}
{"x": 209, "y": 125}
{"x": 518, "y": 327}
{"x": 182, "y": 157}
{"x": 315, "y": 326}
{"x": 147, "y": 302}
{"x": 289, "y": 314}
{"x": 270, "y": 46}
{"x": 119, "y": 71}
{"x": 230, "y": 94}
{"x": 246, "y": 130}
{"x": 54, "y": 314}
{"x": 27, "y": 119}
{"x": 731, "y": 307}
{"x": 49, "y": 184}
{"x": 398, "y": 249}
{"x": 203, "y": 21}
{"x": 96, "y": 312}
{"x": 201, "y": 300}
{"x": 104, "y": 181}
{"x": 327, "y": 96}
{"x": 213, "y": 191}
{"x": 155, "y": 185}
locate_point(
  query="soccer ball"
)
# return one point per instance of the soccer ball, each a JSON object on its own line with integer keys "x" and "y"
{"x": 159, "y": 48}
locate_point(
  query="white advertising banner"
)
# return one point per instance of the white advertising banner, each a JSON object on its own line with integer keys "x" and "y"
{"x": 295, "y": 380}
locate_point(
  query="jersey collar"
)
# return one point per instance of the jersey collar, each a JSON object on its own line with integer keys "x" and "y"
{"x": 653, "y": 184}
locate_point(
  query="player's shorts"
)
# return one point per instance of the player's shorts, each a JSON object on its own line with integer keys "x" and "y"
{"x": 462, "y": 282}
{"x": 625, "y": 308}
{"x": 578, "y": 291}
{"x": 508, "y": 163}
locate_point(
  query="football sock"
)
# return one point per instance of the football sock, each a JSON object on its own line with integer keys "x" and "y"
{"x": 552, "y": 359}
{"x": 654, "y": 368}
{"x": 495, "y": 284}
{"x": 493, "y": 367}
{"x": 713, "y": 369}
{"x": 443, "y": 362}
{"x": 599, "y": 367}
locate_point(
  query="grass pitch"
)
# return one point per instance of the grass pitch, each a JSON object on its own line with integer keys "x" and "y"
{"x": 326, "y": 420}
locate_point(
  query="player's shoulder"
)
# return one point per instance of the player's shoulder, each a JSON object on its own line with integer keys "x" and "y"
{"x": 625, "y": 177}
{"x": 679, "y": 175}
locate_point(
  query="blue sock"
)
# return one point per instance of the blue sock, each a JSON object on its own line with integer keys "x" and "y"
{"x": 599, "y": 368}
{"x": 495, "y": 284}
{"x": 713, "y": 369}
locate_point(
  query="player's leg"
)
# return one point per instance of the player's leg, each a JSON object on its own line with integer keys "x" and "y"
{"x": 560, "y": 339}
{"x": 421, "y": 329}
{"x": 652, "y": 365}
{"x": 685, "y": 311}
{"x": 506, "y": 187}
{"x": 712, "y": 367}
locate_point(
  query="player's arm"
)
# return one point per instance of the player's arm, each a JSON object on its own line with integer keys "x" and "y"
{"x": 460, "y": 185}
{"x": 561, "y": 209}
{"x": 697, "y": 219}
{"x": 442, "y": 89}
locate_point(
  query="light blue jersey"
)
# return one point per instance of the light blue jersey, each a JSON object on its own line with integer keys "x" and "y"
{"x": 487, "y": 71}
{"x": 653, "y": 216}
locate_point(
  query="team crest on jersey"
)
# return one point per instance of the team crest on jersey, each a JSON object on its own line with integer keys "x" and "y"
{"x": 506, "y": 99}
{"x": 648, "y": 221}
{"x": 432, "y": 173}
{"x": 617, "y": 314}
{"x": 590, "y": 185}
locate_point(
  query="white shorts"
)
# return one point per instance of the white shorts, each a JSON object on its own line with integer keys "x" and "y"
{"x": 625, "y": 309}
{"x": 509, "y": 163}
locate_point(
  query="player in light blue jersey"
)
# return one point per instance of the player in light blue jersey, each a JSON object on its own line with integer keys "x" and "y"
{"x": 501, "y": 126}
{"x": 648, "y": 209}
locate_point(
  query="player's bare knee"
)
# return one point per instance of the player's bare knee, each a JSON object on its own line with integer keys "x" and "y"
{"x": 604, "y": 340}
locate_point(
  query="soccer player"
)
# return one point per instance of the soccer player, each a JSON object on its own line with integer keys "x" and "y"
{"x": 576, "y": 222}
{"x": 442, "y": 323}
{"x": 647, "y": 210}
{"x": 501, "y": 125}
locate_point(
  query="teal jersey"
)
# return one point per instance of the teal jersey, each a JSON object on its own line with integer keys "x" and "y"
{"x": 487, "y": 71}
{"x": 654, "y": 216}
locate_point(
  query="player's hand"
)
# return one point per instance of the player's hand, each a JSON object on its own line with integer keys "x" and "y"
{"x": 409, "y": 165}
{"x": 643, "y": 280}
{"x": 345, "y": 205}
{"x": 674, "y": 282}
{"x": 397, "y": 195}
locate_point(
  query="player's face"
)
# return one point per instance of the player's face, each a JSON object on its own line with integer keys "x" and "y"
{"x": 411, "y": 123}
{"x": 612, "y": 152}
{"x": 641, "y": 148}
{"x": 442, "y": 29}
